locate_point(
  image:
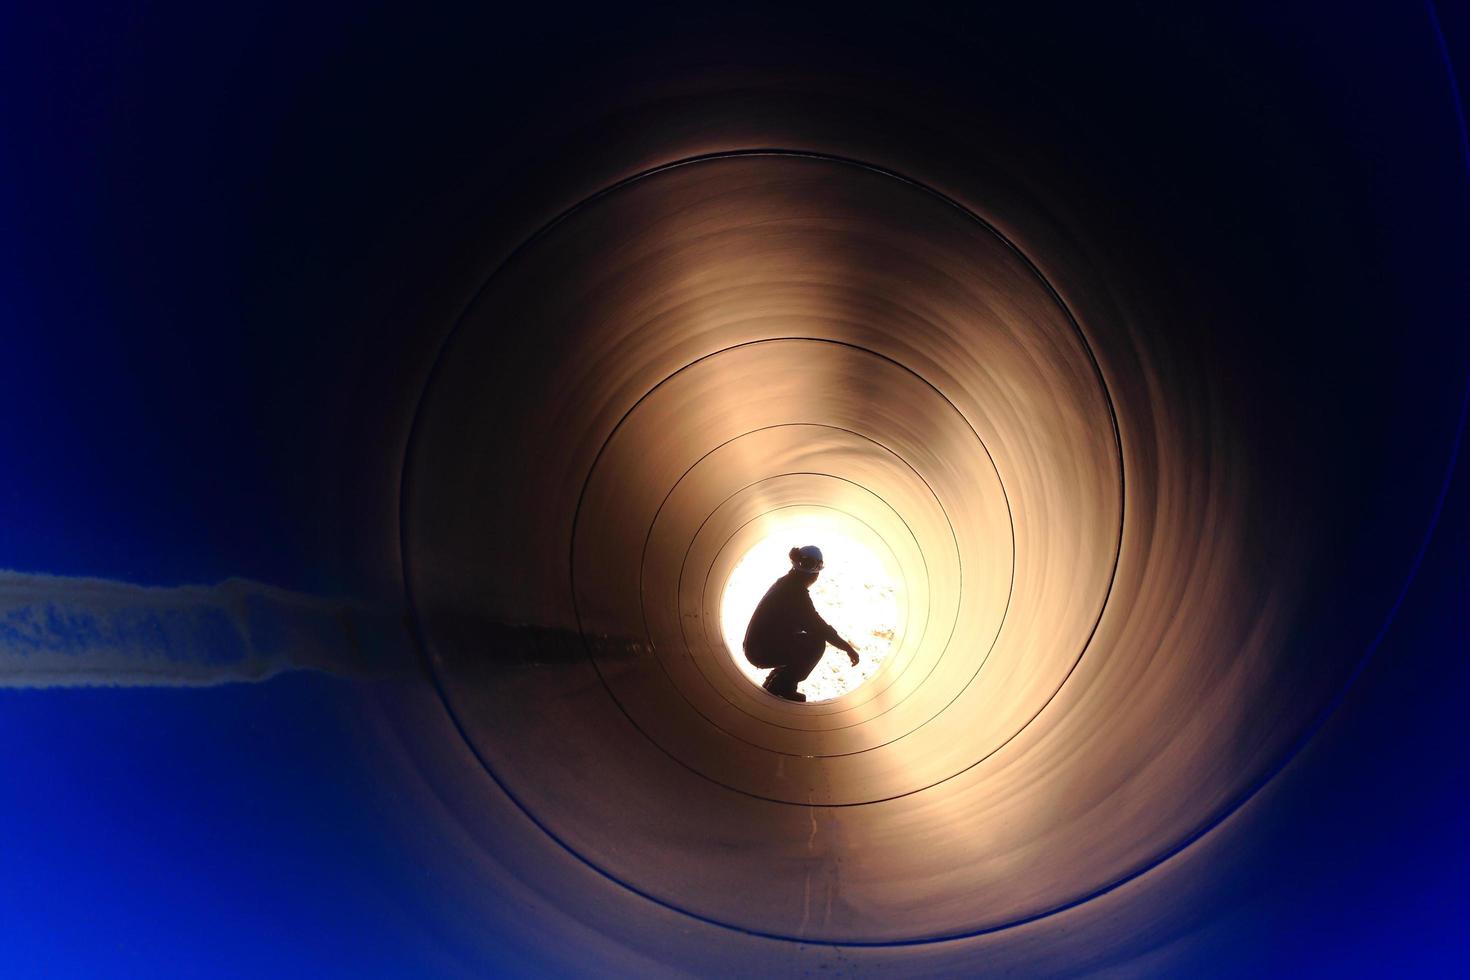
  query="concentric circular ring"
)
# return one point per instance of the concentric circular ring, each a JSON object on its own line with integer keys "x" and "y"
{"x": 676, "y": 309}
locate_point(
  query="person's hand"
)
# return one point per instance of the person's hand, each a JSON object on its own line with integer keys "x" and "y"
{"x": 852, "y": 655}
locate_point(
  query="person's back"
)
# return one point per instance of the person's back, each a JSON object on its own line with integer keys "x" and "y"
{"x": 785, "y": 609}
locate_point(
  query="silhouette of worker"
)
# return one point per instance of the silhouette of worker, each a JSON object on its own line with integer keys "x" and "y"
{"x": 785, "y": 631}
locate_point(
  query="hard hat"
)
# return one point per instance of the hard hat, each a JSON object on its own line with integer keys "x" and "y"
{"x": 807, "y": 559}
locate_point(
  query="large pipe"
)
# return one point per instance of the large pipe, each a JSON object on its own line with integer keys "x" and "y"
{"x": 1100, "y": 369}
{"x": 728, "y": 336}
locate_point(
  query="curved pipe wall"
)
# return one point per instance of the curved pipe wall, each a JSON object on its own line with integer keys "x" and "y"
{"x": 1150, "y": 425}
{"x": 726, "y": 336}
{"x": 923, "y": 364}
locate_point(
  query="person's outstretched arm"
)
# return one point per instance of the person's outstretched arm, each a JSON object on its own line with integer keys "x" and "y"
{"x": 842, "y": 644}
{"x": 824, "y": 629}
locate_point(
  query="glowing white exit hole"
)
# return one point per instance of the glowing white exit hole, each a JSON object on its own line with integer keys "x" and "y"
{"x": 854, "y": 593}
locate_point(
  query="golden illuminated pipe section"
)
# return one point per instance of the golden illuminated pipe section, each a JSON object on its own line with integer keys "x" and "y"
{"x": 753, "y": 514}
{"x": 646, "y": 388}
{"x": 861, "y": 593}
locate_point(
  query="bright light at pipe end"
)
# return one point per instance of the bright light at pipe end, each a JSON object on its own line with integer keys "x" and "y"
{"x": 855, "y": 593}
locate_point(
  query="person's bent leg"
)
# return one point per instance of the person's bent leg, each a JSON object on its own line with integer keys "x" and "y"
{"x": 809, "y": 650}
{"x": 805, "y": 651}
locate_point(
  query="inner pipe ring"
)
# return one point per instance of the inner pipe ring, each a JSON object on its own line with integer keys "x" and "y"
{"x": 802, "y": 237}
{"x": 866, "y": 439}
{"x": 928, "y": 618}
{"x": 650, "y": 716}
{"x": 710, "y": 599}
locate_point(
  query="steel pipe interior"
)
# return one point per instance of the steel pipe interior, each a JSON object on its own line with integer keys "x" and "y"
{"x": 673, "y": 362}
{"x": 463, "y": 365}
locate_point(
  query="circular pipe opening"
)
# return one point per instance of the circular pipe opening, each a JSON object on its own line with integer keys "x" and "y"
{"x": 858, "y": 594}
